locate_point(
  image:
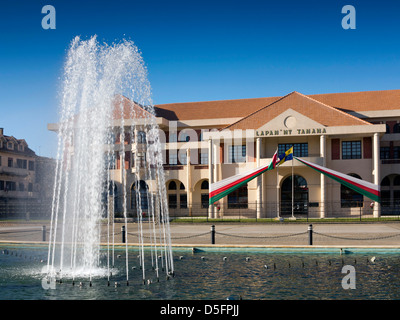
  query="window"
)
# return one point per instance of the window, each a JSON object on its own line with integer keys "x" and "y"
{"x": 141, "y": 138}
{"x": 396, "y": 152}
{"x": 385, "y": 152}
{"x": 11, "y": 186}
{"x": 237, "y": 154}
{"x": 385, "y": 182}
{"x": 182, "y": 157}
{"x": 350, "y": 198}
{"x": 1, "y": 185}
{"x": 183, "y": 201}
{"x": 141, "y": 158}
{"x": 172, "y": 201}
{"x": 238, "y": 198}
{"x": 20, "y": 147}
{"x": 173, "y": 157}
{"x": 172, "y": 185}
{"x": 204, "y": 200}
{"x": 204, "y": 185}
{"x": 109, "y": 162}
{"x": 204, "y": 158}
{"x": 30, "y": 187}
{"x": 21, "y": 187}
{"x": 351, "y": 149}
{"x": 22, "y": 164}
{"x": 173, "y": 137}
{"x": 10, "y": 162}
{"x": 184, "y": 137}
{"x": 10, "y": 146}
{"x": 31, "y": 166}
{"x": 299, "y": 149}
{"x": 141, "y": 197}
{"x": 396, "y": 128}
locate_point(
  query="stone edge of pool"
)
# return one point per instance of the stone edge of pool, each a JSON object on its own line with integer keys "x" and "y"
{"x": 194, "y": 248}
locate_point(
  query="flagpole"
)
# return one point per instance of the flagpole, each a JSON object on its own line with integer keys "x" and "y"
{"x": 292, "y": 191}
{"x": 277, "y": 192}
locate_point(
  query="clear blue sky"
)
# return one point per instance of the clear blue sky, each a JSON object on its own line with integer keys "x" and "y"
{"x": 196, "y": 51}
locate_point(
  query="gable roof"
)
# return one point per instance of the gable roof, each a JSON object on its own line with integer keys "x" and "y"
{"x": 211, "y": 109}
{"x": 313, "y": 109}
{"x": 123, "y": 107}
{"x": 239, "y": 108}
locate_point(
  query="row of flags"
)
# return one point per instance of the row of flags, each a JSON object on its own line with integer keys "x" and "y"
{"x": 222, "y": 188}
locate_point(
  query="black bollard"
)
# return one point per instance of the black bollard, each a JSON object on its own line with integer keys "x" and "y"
{"x": 123, "y": 234}
{"x": 212, "y": 234}
{"x": 310, "y": 232}
{"x": 44, "y": 233}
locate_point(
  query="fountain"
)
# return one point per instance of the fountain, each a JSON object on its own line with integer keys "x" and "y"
{"x": 107, "y": 135}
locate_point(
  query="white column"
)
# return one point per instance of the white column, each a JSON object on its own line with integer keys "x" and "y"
{"x": 322, "y": 147}
{"x": 376, "y": 171}
{"x": 259, "y": 178}
{"x": 215, "y": 146}
{"x": 189, "y": 182}
{"x": 278, "y": 190}
{"x": 210, "y": 174}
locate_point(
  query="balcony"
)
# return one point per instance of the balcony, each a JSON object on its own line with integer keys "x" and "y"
{"x": 14, "y": 171}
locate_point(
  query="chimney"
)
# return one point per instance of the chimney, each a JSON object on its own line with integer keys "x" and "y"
{"x": 1, "y": 131}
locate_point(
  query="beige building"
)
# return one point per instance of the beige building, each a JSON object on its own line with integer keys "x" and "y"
{"x": 356, "y": 133}
{"x": 24, "y": 191}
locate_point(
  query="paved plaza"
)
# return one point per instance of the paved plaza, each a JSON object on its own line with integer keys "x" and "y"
{"x": 234, "y": 234}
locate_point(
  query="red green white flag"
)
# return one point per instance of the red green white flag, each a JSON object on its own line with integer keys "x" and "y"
{"x": 366, "y": 188}
{"x": 222, "y": 188}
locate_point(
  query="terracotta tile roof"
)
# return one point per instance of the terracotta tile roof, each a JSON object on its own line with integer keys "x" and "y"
{"x": 212, "y": 109}
{"x": 362, "y": 101}
{"x": 351, "y": 101}
{"x": 124, "y": 106}
{"x": 313, "y": 109}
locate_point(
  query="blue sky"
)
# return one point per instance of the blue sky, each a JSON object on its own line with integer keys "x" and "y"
{"x": 197, "y": 51}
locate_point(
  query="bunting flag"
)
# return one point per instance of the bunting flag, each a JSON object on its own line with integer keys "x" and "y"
{"x": 366, "y": 188}
{"x": 222, "y": 188}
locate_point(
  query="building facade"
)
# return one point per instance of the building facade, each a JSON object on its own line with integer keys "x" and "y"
{"x": 24, "y": 192}
{"x": 356, "y": 133}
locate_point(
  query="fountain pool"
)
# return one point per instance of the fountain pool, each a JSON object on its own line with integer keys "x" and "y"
{"x": 210, "y": 275}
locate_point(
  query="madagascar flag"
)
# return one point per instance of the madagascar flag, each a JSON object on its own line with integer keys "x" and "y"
{"x": 222, "y": 188}
{"x": 366, "y": 188}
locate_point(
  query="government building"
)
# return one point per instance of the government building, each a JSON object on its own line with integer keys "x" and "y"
{"x": 355, "y": 133}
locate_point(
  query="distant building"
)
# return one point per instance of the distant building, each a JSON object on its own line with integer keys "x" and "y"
{"x": 22, "y": 191}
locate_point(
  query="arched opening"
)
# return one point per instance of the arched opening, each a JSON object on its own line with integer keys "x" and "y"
{"x": 390, "y": 194}
{"x": 298, "y": 191}
{"x": 177, "y": 196}
{"x": 204, "y": 188}
{"x": 238, "y": 199}
{"x": 139, "y": 196}
{"x": 350, "y": 198}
